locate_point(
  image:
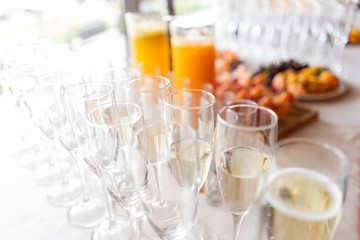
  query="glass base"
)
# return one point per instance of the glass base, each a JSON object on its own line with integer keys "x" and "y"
{"x": 48, "y": 174}
{"x": 30, "y": 159}
{"x": 121, "y": 229}
{"x": 199, "y": 231}
{"x": 64, "y": 194}
{"x": 204, "y": 231}
{"x": 87, "y": 214}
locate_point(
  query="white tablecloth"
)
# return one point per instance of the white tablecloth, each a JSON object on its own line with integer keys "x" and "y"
{"x": 25, "y": 212}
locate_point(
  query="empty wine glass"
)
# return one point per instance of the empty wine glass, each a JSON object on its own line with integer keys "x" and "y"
{"x": 305, "y": 195}
{"x": 116, "y": 76}
{"x": 339, "y": 26}
{"x": 116, "y": 148}
{"x": 87, "y": 212}
{"x": 81, "y": 99}
{"x": 49, "y": 168}
{"x": 245, "y": 144}
{"x": 190, "y": 156}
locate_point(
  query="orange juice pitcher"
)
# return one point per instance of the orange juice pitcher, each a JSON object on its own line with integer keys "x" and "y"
{"x": 149, "y": 43}
{"x": 193, "y": 54}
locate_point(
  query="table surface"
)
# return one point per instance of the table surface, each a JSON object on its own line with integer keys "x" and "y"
{"x": 25, "y": 212}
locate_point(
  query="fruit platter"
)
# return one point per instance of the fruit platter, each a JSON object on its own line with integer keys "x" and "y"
{"x": 278, "y": 86}
{"x": 275, "y": 84}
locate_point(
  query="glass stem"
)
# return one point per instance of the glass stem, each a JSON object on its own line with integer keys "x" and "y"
{"x": 109, "y": 205}
{"x": 131, "y": 212}
{"x": 85, "y": 193}
{"x": 64, "y": 177}
{"x": 238, "y": 219}
{"x": 157, "y": 170}
{"x": 50, "y": 161}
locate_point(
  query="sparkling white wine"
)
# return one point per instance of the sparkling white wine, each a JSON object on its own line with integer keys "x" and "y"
{"x": 239, "y": 172}
{"x": 112, "y": 127}
{"x": 155, "y": 133}
{"x": 190, "y": 162}
{"x": 304, "y": 205}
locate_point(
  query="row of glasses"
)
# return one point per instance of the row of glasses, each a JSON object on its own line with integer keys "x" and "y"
{"x": 101, "y": 84}
{"x": 87, "y": 211}
{"x": 23, "y": 65}
{"x": 245, "y": 143}
{"x": 120, "y": 140}
{"x": 80, "y": 100}
{"x": 270, "y": 30}
{"x": 160, "y": 167}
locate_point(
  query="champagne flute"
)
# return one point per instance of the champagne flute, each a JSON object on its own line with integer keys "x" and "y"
{"x": 115, "y": 146}
{"x": 49, "y": 168}
{"x": 305, "y": 195}
{"x": 212, "y": 191}
{"x": 190, "y": 157}
{"x": 148, "y": 92}
{"x": 81, "y": 99}
{"x": 87, "y": 212}
{"x": 116, "y": 76}
{"x": 245, "y": 144}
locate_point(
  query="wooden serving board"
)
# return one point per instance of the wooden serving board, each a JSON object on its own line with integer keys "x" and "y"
{"x": 299, "y": 117}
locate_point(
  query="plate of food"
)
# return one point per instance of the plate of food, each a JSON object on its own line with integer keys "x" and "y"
{"x": 335, "y": 93}
{"x": 275, "y": 85}
{"x": 278, "y": 86}
{"x": 303, "y": 82}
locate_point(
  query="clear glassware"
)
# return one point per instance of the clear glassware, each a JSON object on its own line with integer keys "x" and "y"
{"x": 115, "y": 142}
{"x": 49, "y": 168}
{"x": 116, "y": 76}
{"x": 192, "y": 52}
{"x": 190, "y": 156}
{"x": 339, "y": 26}
{"x": 305, "y": 194}
{"x": 80, "y": 100}
{"x": 87, "y": 212}
{"x": 148, "y": 93}
{"x": 245, "y": 144}
{"x": 148, "y": 37}
{"x": 169, "y": 215}
{"x": 211, "y": 187}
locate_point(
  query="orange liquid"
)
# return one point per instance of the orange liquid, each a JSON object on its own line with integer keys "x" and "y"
{"x": 193, "y": 64}
{"x": 151, "y": 54}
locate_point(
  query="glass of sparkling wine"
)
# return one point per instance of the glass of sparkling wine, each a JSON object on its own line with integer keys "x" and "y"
{"x": 245, "y": 144}
{"x": 190, "y": 155}
{"x": 305, "y": 195}
{"x": 148, "y": 92}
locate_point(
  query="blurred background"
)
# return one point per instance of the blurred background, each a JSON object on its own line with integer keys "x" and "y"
{"x": 73, "y": 22}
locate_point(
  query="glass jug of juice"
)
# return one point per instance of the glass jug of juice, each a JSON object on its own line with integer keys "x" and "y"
{"x": 149, "y": 43}
{"x": 193, "y": 54}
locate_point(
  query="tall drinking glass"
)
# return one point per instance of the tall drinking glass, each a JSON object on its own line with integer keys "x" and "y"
{"x": 87, "y": 212}
{"x": 193, "y": 54}
{"x": 116, "y": 76}
{"x": 148, "y": 93}
{"x": 211, "y": 187}
{"x": 81, "y": 99}
{"x": 149, "y": 43}
{"x": 190, "y": 155}
{"x": 245, "y": 144}
{"x": 306, "y": 193}
{"x": 115, "y": 145}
